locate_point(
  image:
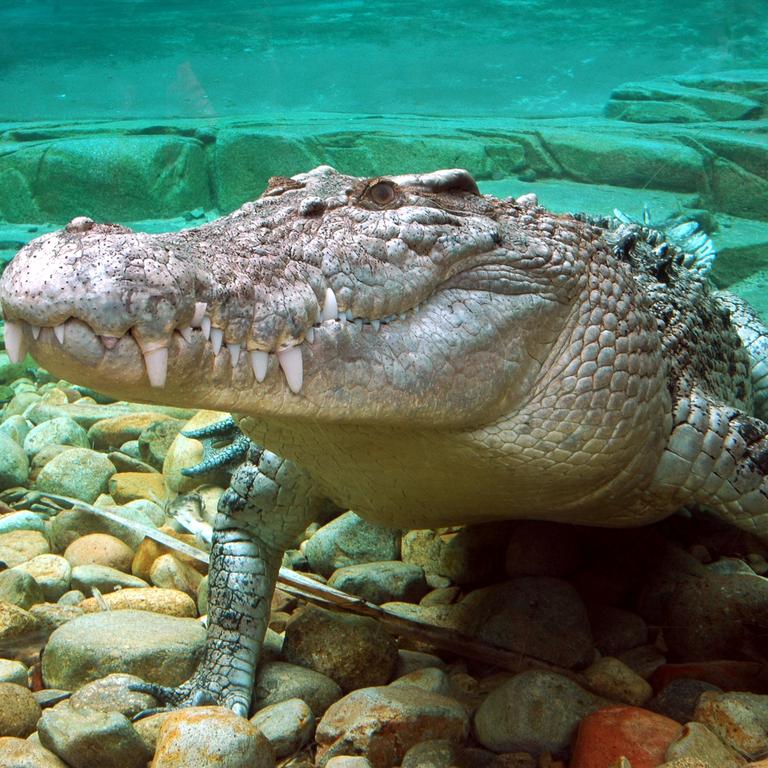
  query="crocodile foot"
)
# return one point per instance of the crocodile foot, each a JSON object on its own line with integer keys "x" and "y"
{"x": 195, "y": 692}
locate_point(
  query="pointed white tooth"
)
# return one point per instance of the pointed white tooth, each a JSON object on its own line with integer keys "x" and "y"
{"x": 376, "y": 324}
{"x": 14, "y": 341}
{"x": 293, "y": 367}
{"x": 349, "y": 315}
{"x": 330, "y": 306}
{"x": 156, "y": 361}
{"x": 217, "y": 338}
{"x": 343, "y": 321}
{"x": 205, "y": 325}
{"x": 359, "y": 322}
{"x": 234, "y": 353}
{"x": 401, "y": 316}
{"x": 199, "y": 314}
{"x": 186, "y": 333}
{"x": 35, "y": 332}
{"x": 310, "y": 335}
{"x": 58, "y": 332}
{"x": 259, "y": 363}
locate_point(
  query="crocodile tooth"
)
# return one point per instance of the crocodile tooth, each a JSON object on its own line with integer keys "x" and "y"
{"x": 310, "y": 335}
{"x": 156, "y": 361}
{"x": 205, "y": 325}
{"x": 14, "y": 342}
{"x": 358, "y": 322}
{"x": 375, "y": 324}
{"x": 291, "y": 362}
{"x": 199, "y": 314}
{"x": 349, "y": 315}
{"x": 259, "y": 363}
{"x": 58, "y": 332}
{"x": 35, "y": 332}
{"x": 234, "y": 353}
{"x": 110, "y": 342}
{"x": 217, "y": 337}
{"x": 330, "y": 306}
{"x": 186, "y": 333}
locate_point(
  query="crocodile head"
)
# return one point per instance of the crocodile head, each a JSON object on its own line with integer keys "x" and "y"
{"x": 406, "y": 299}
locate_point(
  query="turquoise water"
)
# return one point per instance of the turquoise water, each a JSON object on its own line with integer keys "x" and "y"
{"x": 163, "y": 114}
{"x": 62, "y": 59}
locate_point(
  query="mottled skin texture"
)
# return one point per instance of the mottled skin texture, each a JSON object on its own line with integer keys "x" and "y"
{"x": 501, "y": 362}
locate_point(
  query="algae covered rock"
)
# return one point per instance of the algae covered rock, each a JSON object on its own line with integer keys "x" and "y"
{"x": 80, "y": 473}
{"x": 157, "y": 648}
{"x": 349, "y": 540}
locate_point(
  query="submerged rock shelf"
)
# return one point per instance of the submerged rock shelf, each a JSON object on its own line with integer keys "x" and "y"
{"x": 683, "y": 147}
{"x": 157, "y": 169}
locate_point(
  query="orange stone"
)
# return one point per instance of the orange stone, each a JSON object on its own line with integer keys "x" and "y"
{"x": 149, "y": 550}
{"x": 130, "y": 486}
{"x": 100, "y": 549}
{"x": 637, "y": 734}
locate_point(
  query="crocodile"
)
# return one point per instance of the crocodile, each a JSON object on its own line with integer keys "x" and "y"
{"x": 409, "y": 348}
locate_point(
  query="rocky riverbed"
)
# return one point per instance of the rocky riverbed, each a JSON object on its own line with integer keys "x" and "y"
{"x": 636, "y": 648}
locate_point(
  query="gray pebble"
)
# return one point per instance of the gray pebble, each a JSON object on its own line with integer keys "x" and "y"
{"x": 430, "y": 679}
{"x": 349, "y": 540}
{"x": 73, "y": 597}
{"x": 678, "y": 698}
{"x": 278, "y": 681}
{"x": 90, "y": 739}
{"x": 14, "y": 466}
{"x": 616, "y": 630}
{"x": 16, "y": 427}
{"x": 534, "y": 712}
{"x": 112, "y": 694}
{"x": 79, "y": 472}
{"x": 288, "y": 725}
{"x": 59, "y": 431}
{"x": 722, "y": 608}
{"x": 131, "y": 448}
{"x": 470, "y": 555}
{"x": 355, "y": 651}
{"x": 52, "y": 573}
{"x": 13, "y": 672}
{"x": 157, "y": 648}
{"x": 381, "y": 582}
{"x": 19, "y": 588}
{"x": 21, "y": 521}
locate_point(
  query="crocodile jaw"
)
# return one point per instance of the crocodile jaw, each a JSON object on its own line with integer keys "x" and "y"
{"x": 353, "y": 313}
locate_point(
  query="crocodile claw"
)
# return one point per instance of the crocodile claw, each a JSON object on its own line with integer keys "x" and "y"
{"x": 186, "y": 695}
{"x": 224, "y": 447}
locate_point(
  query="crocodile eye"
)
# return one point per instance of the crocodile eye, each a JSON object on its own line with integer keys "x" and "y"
{"x": 382, "y": 193}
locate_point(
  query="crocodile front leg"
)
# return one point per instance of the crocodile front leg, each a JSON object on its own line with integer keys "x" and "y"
{"x": 269, "y": 502}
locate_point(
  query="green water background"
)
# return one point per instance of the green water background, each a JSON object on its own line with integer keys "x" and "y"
{"x": 76, "y": 59}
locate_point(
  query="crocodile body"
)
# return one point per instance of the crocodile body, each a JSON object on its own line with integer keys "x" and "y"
{"x": 415, "y": 351}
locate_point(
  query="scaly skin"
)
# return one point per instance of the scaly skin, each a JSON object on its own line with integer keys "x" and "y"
{"x": 500, "y": 362}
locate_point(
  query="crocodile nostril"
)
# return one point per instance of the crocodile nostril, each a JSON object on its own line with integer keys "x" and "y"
{"x": 80, "y": 224}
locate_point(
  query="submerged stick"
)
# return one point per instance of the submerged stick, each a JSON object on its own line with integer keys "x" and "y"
{"x": 304, "y": 587}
